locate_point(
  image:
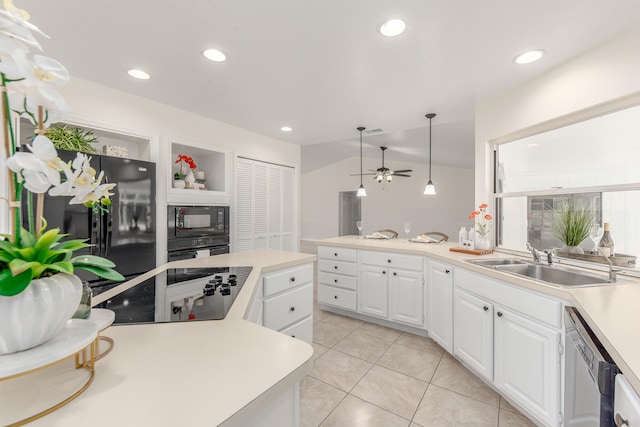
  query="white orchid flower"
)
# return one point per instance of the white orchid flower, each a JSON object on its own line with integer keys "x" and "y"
{"x": 41, "y": 168}
{"x": 15, "y": 23}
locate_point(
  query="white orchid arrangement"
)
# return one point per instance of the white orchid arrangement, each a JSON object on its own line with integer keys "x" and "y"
{"x": 29, "y": 83}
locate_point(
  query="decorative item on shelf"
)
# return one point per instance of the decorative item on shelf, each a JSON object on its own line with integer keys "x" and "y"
{"x": 64, "y": 137}
{"x": 179, "y": 183}
{"x": 36, "y": 263}
{"x": 478, "y": 234}
{"x": 572, "y": 224}
{"x": 84, "y": 308}
{"x": 187, "y": 175}
{"x": 116, "y": 151}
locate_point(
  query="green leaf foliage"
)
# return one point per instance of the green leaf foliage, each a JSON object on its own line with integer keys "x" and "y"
{"x": 44, "y": 254}
{"x": 73, "y": 139}
{"x": 572, "y": 223}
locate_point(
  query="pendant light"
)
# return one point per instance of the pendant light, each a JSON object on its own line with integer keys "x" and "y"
{"x": 361, "y": 191}
{"x": 430, "y": 189}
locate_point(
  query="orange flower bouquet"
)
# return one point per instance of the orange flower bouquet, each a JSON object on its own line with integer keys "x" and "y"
{"x": 481, "y": 217}
{"x": 182, "y": 159}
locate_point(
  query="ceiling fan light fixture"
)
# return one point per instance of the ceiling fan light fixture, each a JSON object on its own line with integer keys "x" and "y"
{"x": 361, "y": 191}
{"x": 430, "y": 189}
{"x": 379, "y": 178}
{"x": 389, "y": 178}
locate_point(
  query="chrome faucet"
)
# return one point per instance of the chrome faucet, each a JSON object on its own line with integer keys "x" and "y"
{"x": 612, "y": 271}
{"x": 536, "y": 253}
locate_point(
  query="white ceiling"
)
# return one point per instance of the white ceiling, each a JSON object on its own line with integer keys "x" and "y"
{"x": 321, "y": 67}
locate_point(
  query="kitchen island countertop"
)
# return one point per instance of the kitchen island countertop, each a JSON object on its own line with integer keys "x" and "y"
{"x": 210, "y": 373}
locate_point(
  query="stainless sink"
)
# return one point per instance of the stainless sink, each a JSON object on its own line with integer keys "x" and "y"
{"x": 496, "y": 261}
{"x": 553, "y": 274}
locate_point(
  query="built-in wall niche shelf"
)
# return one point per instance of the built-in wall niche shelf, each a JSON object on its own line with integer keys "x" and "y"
{"x": 213, "y": 165}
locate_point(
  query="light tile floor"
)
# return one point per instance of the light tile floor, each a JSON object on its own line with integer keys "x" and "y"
{"x": 368, "y": 375}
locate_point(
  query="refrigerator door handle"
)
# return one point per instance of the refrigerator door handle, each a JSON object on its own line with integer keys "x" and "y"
{"x": 108, "y": 233}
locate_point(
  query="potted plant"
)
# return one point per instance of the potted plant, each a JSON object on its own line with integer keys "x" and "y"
{"x": 64, "y": 137}
{"x": 572, "y": 224}
{"x": 38, "y": 290}
{"x": 181, "y": 178}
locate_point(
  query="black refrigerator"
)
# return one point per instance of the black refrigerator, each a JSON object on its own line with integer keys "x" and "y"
{"x": 126, "y": 235}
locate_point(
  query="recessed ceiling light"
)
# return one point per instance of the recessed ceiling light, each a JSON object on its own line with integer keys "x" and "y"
{"x": 529, "y": 56}
{"x": 139, "y": 74}
{"x": 392, "y": 27}
{"x": 286, "y": 129}
{"x": 214, "y": 55}
{"x": 533, "y": 144}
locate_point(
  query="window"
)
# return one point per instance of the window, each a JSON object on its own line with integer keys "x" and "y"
{"x": 595, "y": 162}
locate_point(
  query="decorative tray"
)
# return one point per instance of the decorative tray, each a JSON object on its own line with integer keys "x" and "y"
{"x": 74, "y": 337}
{"x": 472, "y": 251}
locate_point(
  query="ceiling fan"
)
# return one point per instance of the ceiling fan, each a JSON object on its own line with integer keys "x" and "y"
{"x": 384, "y": 173}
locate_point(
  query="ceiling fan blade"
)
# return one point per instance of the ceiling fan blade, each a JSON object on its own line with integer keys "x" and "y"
{"x": 401, "y": 174}
{"x": 358, "y": 174}
{"x": 401, "y": 171}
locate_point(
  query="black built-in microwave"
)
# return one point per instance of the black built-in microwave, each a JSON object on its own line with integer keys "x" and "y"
{"x": 208, "y": 225}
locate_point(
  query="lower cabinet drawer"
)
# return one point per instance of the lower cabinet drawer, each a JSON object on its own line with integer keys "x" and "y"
{"x": 340, "y": 267}
{"x": 337, "y": 297}
{"x": 302, "y": 330}
{"x": 288, "y": 308}
{"x": 339, "y": 280}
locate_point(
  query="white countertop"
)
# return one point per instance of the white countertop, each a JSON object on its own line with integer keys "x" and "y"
{"x": 612, "y": 311}
{"x": 188, "y": 373}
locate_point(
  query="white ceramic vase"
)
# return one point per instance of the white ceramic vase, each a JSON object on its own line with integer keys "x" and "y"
{"x": 38, "y": 313}
{"x": 575, "y": 250}
{"x": 179, "y": 183}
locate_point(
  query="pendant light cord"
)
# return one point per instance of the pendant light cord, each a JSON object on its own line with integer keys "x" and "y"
{"x": 430, "y": 116}
{"x": 361, "y": 128}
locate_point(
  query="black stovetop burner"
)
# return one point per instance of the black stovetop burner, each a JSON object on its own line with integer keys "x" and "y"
{"x": 220, "y": 287}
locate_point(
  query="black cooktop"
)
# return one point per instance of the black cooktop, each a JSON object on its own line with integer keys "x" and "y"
{"x": 212, "y": 301}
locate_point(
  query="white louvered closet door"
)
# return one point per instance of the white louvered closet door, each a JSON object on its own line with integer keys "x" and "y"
{"x": 243, "y": 228}
{"x": 265, "y": 205}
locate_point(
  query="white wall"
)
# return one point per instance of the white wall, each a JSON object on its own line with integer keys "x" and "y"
{"x": 567, "y": 94}
{"x": 390, "y": 207}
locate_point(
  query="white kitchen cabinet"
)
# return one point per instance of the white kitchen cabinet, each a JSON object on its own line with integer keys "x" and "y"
{"x": 626, "y": 405}
{"x": 526, "y": 340}
{"x": 406, "y": 297}
{"x": 288, "y": 302}
{"x": 527, "y": 363}
{"x": 390, "y": 286}
{"x": 373, "y": 290}
{"x": 440, "y": 304}
{"x": 265, "y": 206}
{"x": 337, "y": 277}
{"x": 473, "y": 332}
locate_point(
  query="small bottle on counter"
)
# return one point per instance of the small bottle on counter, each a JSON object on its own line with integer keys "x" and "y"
{"x": 462, "y": 236}
{"x": 606, "y": 243}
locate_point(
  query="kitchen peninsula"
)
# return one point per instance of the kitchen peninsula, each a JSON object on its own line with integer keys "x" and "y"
{"x": 229, "y": 372}
{"x": 508, "y": 329}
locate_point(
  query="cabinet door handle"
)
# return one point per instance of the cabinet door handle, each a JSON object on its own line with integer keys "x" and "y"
{"x": 485, "y": 308}
{"x": 384, "y": 272}
{"x": 335, "y": 297}
{"x": 293, "y": 279}
{"x": 292, "y": 309}
{"x": 447, "y": 271}
{"x": 335, "y": 280}
{"x": 293, "y": 336}
{"x": 335, "y": 254}
{"x": 499, "y": 314}
{"x": 394, "y": 273}
{"x": 335, "y": 267}
{"x": 620, "y": 421}
{"x": 389, "y": 261}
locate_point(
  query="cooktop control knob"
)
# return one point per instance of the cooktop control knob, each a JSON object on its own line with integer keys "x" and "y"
{"x": 209, "y": 290}
{"x": 233, "y": 280}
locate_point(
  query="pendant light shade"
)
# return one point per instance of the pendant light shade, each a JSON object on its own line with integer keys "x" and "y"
{"x": 361, "y": 190}
{"x": 430, "y": 189}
